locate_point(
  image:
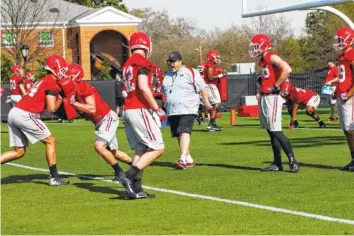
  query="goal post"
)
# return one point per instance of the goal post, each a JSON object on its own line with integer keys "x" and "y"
{"x": 313, "y": 5}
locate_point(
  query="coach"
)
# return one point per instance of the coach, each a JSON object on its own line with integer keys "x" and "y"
{"x": 182, "y": 86}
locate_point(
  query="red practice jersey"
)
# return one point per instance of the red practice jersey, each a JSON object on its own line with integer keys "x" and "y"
{"x": 84, "y": 90}
{"x": 27, "y": 84}
{"x": 332, "y": 74}
{"x": 270, "y": 73}
{"x": 15, "y": 81}
{"x": 135, "y": 100}
{"x": 35, "y": 100}
{"x": 345, "y": 73}
{"x": 208, "y": 65}
{"x": 302, "y": 96}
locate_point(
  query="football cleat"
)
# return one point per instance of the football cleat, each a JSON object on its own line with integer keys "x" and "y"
{"x": 349, "y": 167}
{"x": 142, "y": 195}
{"x": 272, "y": 167}
{"x": 117, "y": 179}
{"x": 128, "y": 185}
{"x": 189, "y": 164}
{"x": 294, "y": 167}
{"x": 323, "y": 126}
{"x": 57, "y": 181}
{"x": 180, "y": 164}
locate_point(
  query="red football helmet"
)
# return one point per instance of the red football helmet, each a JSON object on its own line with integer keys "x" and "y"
{"x": 285, "y": 88}
{"x": 214, "y": 56}
{"x": 16, "y": 69}
{"x": 30, "y": 76}
{"x": 140, "y": 40}
{"x": 201, "y": 67}
{"x": 343, "y": 39}
{"x": 75, "y": 72}
{"x": 57, "y": 65}
{"x": 259, "y": 44}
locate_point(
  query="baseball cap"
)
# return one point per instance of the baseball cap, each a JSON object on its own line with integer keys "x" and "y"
{"x": 175, "y": 56}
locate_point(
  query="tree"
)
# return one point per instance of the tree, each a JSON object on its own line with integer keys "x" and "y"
{"x": 292, "y": 52}
{"x": 321, "y": 27}
{"x": 167, "y": 35}
{"x": 105, "y": 71}
{"x": 232, "y": 44}
{"x": 101, "y": 3}
{"x": 20, "y": 18}
{"x": 6, "y": 64}
{"x": 277, "y": 28}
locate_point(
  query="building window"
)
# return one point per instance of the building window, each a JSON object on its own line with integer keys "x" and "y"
{"x": 45, "y": 39}
{"x": 8, "y": 39}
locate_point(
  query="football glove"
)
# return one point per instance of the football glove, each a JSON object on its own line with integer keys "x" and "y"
{"x": 275, "y": 90}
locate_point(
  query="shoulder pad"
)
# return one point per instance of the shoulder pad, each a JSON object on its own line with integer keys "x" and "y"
{"x": 349, "y": 55}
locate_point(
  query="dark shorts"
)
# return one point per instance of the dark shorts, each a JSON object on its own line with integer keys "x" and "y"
{"x": 120, "y": 102}
{"x": 181, "y": 124}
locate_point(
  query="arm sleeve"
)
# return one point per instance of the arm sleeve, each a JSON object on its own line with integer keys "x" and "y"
{"x": 143, "y": 71}
{"x": 51, "y": 88}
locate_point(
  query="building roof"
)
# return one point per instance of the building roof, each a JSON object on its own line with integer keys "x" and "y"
{"x": 50, "y": 11}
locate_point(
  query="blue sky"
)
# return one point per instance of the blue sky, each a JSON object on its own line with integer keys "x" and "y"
{"x": 219, "y": 13}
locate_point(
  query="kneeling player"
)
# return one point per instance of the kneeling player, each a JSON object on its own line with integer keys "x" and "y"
{"x": 298, "y": 98}
{"x": 87, "y": 100}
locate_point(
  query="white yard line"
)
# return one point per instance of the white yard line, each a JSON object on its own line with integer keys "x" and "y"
{"x": 205, "y": 197}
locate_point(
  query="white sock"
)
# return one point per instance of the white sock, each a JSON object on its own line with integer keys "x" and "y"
{"x": 189, "y": 158}
{"x": 182, "y": 158}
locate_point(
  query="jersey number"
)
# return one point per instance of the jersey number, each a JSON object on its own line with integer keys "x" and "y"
{"x": 12, "y": 84}
{"x": 265, "y": 73}
{"x": 34, "y": 88}
{"x": 341, "y": 73}
{"x": 300, "y": 90}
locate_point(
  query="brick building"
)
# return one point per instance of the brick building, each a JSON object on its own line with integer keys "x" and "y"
{"x": 80, "y": 34}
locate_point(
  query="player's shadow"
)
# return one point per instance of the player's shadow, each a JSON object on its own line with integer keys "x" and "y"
{"x": 217, "y": 165}
{"x": 101, "y": 189}
{"x": 19, "y": 179}
{"x": 91, "y": 176}
{"x": 319, "y": 166}
{"x": 248, "y": 125}
{"x": 303, "y": 142}
{"x": 4, "y": 132}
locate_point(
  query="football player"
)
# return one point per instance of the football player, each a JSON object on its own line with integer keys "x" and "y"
{"x": 343, "y": 42}
{"x": 332, "y": 80}
{"x": 297, "y": 98}
{"x": 88, "y": 101}
{"x": 24, "y": 119}
{"x": 199, "y": 118}
{"x": 274, "y": 72}
{"x": 17, "y": 88}
{"x": 28, "y": 81}
{"x": 212, "y": 74}
{"x": 142, "y": 114}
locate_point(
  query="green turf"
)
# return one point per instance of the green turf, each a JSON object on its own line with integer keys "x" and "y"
{"x": 227, "y": 167}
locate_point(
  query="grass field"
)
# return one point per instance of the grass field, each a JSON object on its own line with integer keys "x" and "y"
{"x": 225, "y": 179}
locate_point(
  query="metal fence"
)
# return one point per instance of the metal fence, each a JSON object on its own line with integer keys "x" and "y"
{"x": 307, "y": 80}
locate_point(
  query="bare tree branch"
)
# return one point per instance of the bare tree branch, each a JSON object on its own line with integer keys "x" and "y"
{"x": 21, "y": 19}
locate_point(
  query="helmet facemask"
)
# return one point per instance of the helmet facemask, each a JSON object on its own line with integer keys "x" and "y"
{"x": 254, "y": 50}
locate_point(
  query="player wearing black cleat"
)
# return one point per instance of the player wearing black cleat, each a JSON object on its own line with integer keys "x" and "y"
{"x": 349, "y": 167}
{"x": 273, "y": 167}
{"x": 294, "y": 167}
